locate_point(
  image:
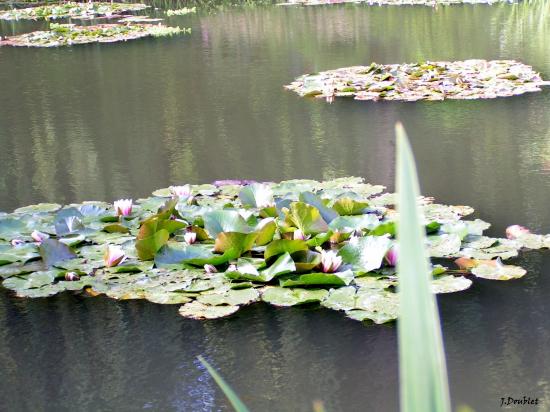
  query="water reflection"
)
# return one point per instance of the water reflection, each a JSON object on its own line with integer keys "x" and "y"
{"x": 103, "y": 122}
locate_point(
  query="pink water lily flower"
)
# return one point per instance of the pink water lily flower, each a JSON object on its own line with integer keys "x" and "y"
{"x": 71, "y": 277}
{"x": 181, "y": 191}
{"x": 330, "y": 261}
{"x": 190, "y": 237}
{"x": 17, "y": 242}
{"x": 210, "y": 268}
{"x": 298, "y": 235}
{"x": 391, "y": 256}
{"x": 515, "y": 231}
{"x": 123, "y": 207}
{"x": 39, "y": 237}
{"x": 114, "y": 255}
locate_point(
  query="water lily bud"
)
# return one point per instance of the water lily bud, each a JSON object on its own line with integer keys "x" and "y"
{"x": 516, "y": 231}
{"x": 190, "y": 237}
{"x": 181, "y": 191}
{"x": 330, "y": 261}
{"x": 17, "y": 242}
{"x": 39, "y": 237}
{"x": 123, "y": 207}
{"x": 391, "y": 256}
{"x": 114, "y": 255}
{"x": 210, "y": 269}
{"x": 299, "y": 235}
{"x": 71, "y": 277}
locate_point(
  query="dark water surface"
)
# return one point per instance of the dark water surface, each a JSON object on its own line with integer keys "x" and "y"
{"x": 103, "y": 122}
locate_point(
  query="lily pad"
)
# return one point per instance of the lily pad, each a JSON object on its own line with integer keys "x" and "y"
{"x": 292, "y": 296}
{"x": 197, "y": 310}
{"x": 366, "y": 253}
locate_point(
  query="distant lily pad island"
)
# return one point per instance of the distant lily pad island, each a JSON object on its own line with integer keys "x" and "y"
{"x": 437, "y": 80}
{"x": 214, "y": 248}
{"x": 70, "y": 34}
{"x": 74, "y": 10}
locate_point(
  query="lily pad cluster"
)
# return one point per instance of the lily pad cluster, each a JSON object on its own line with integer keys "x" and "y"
{"x": 70, "y": 34}
{"x": 431, "y": 3}
{"x": 468, "y": 79}
{"x": 214, "y": 248}
{"x": 86, "y": 11}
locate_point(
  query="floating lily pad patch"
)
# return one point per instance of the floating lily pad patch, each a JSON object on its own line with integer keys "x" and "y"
{"x": 73, "y": 10}
{"x": 468, "y": 79}
{"x": 70, "y": 34}
{"x": 211, "y": 249}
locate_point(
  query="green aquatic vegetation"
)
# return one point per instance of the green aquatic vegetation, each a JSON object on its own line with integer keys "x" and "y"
{"x": 213, "y": 248}
{"x": 422, "y": 371}
{"x": 468, "y": 79}
{"x": 181, "y": 12}
{"x": 69, "y": 34}
{"x": 430, "y": 3}
{"x": 73, "y": 10}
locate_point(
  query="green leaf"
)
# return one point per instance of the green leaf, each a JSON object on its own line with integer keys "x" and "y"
{"x": 39, "y": 208}
{"x": 280, "y": 246}
{"x": 229, "y": 393}
{"x": 177, "y": 253}
{"x": 498, "y": 271}
{"x": 386, "y": 228}
{"x": 365, "y": 254}
{"x": 54, "y": 252}
{"x": 116, "y": 228}
{"x": 265, "y": 229}
{"x": 149, "y": 246}
{"x": 306, "y": 218}
{"x": 343, "y": 223}
{"x": 215, "y": 260}
{"x": 220, "y": 221}
{"x": 284, "y": 264}
{"x": 279, "y": 296}
{"x": 238, "y": 242}
{"x": 333, "y": 279}
{"x": 256, "y": 195}
{"x": 306, "y": 260}
{"x": 327, "y": 213}
{"x": 229, "y": 297}
{"x": 197, "y": 310}
{"x": 423, "y": 375}
{"x": 349, "y": 207}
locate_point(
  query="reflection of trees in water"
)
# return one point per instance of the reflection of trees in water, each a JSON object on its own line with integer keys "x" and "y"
{"x": 122, "y": 120}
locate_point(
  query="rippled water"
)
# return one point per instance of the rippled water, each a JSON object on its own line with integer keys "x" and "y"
{"x": 102, "y": 122}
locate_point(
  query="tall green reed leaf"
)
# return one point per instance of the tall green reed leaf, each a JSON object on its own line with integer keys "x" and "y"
{"x": 229, "y": 393}
{"x": 422, "y": 371}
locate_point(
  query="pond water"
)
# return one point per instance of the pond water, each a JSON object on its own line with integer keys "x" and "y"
{"x": 108, "y": 121}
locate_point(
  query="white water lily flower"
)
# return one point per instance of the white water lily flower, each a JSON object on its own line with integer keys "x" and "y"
{"x": 123, "y": 207}
{"x": 39, "y": 237}
{"x": 330, "y": 261}
{"x": 180, "y": 191}
{"x": 114, "y": 255}
{"x": 263, "y": 195}
{"x": 190, "y": 237}
{"x": 516, "y": 231}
